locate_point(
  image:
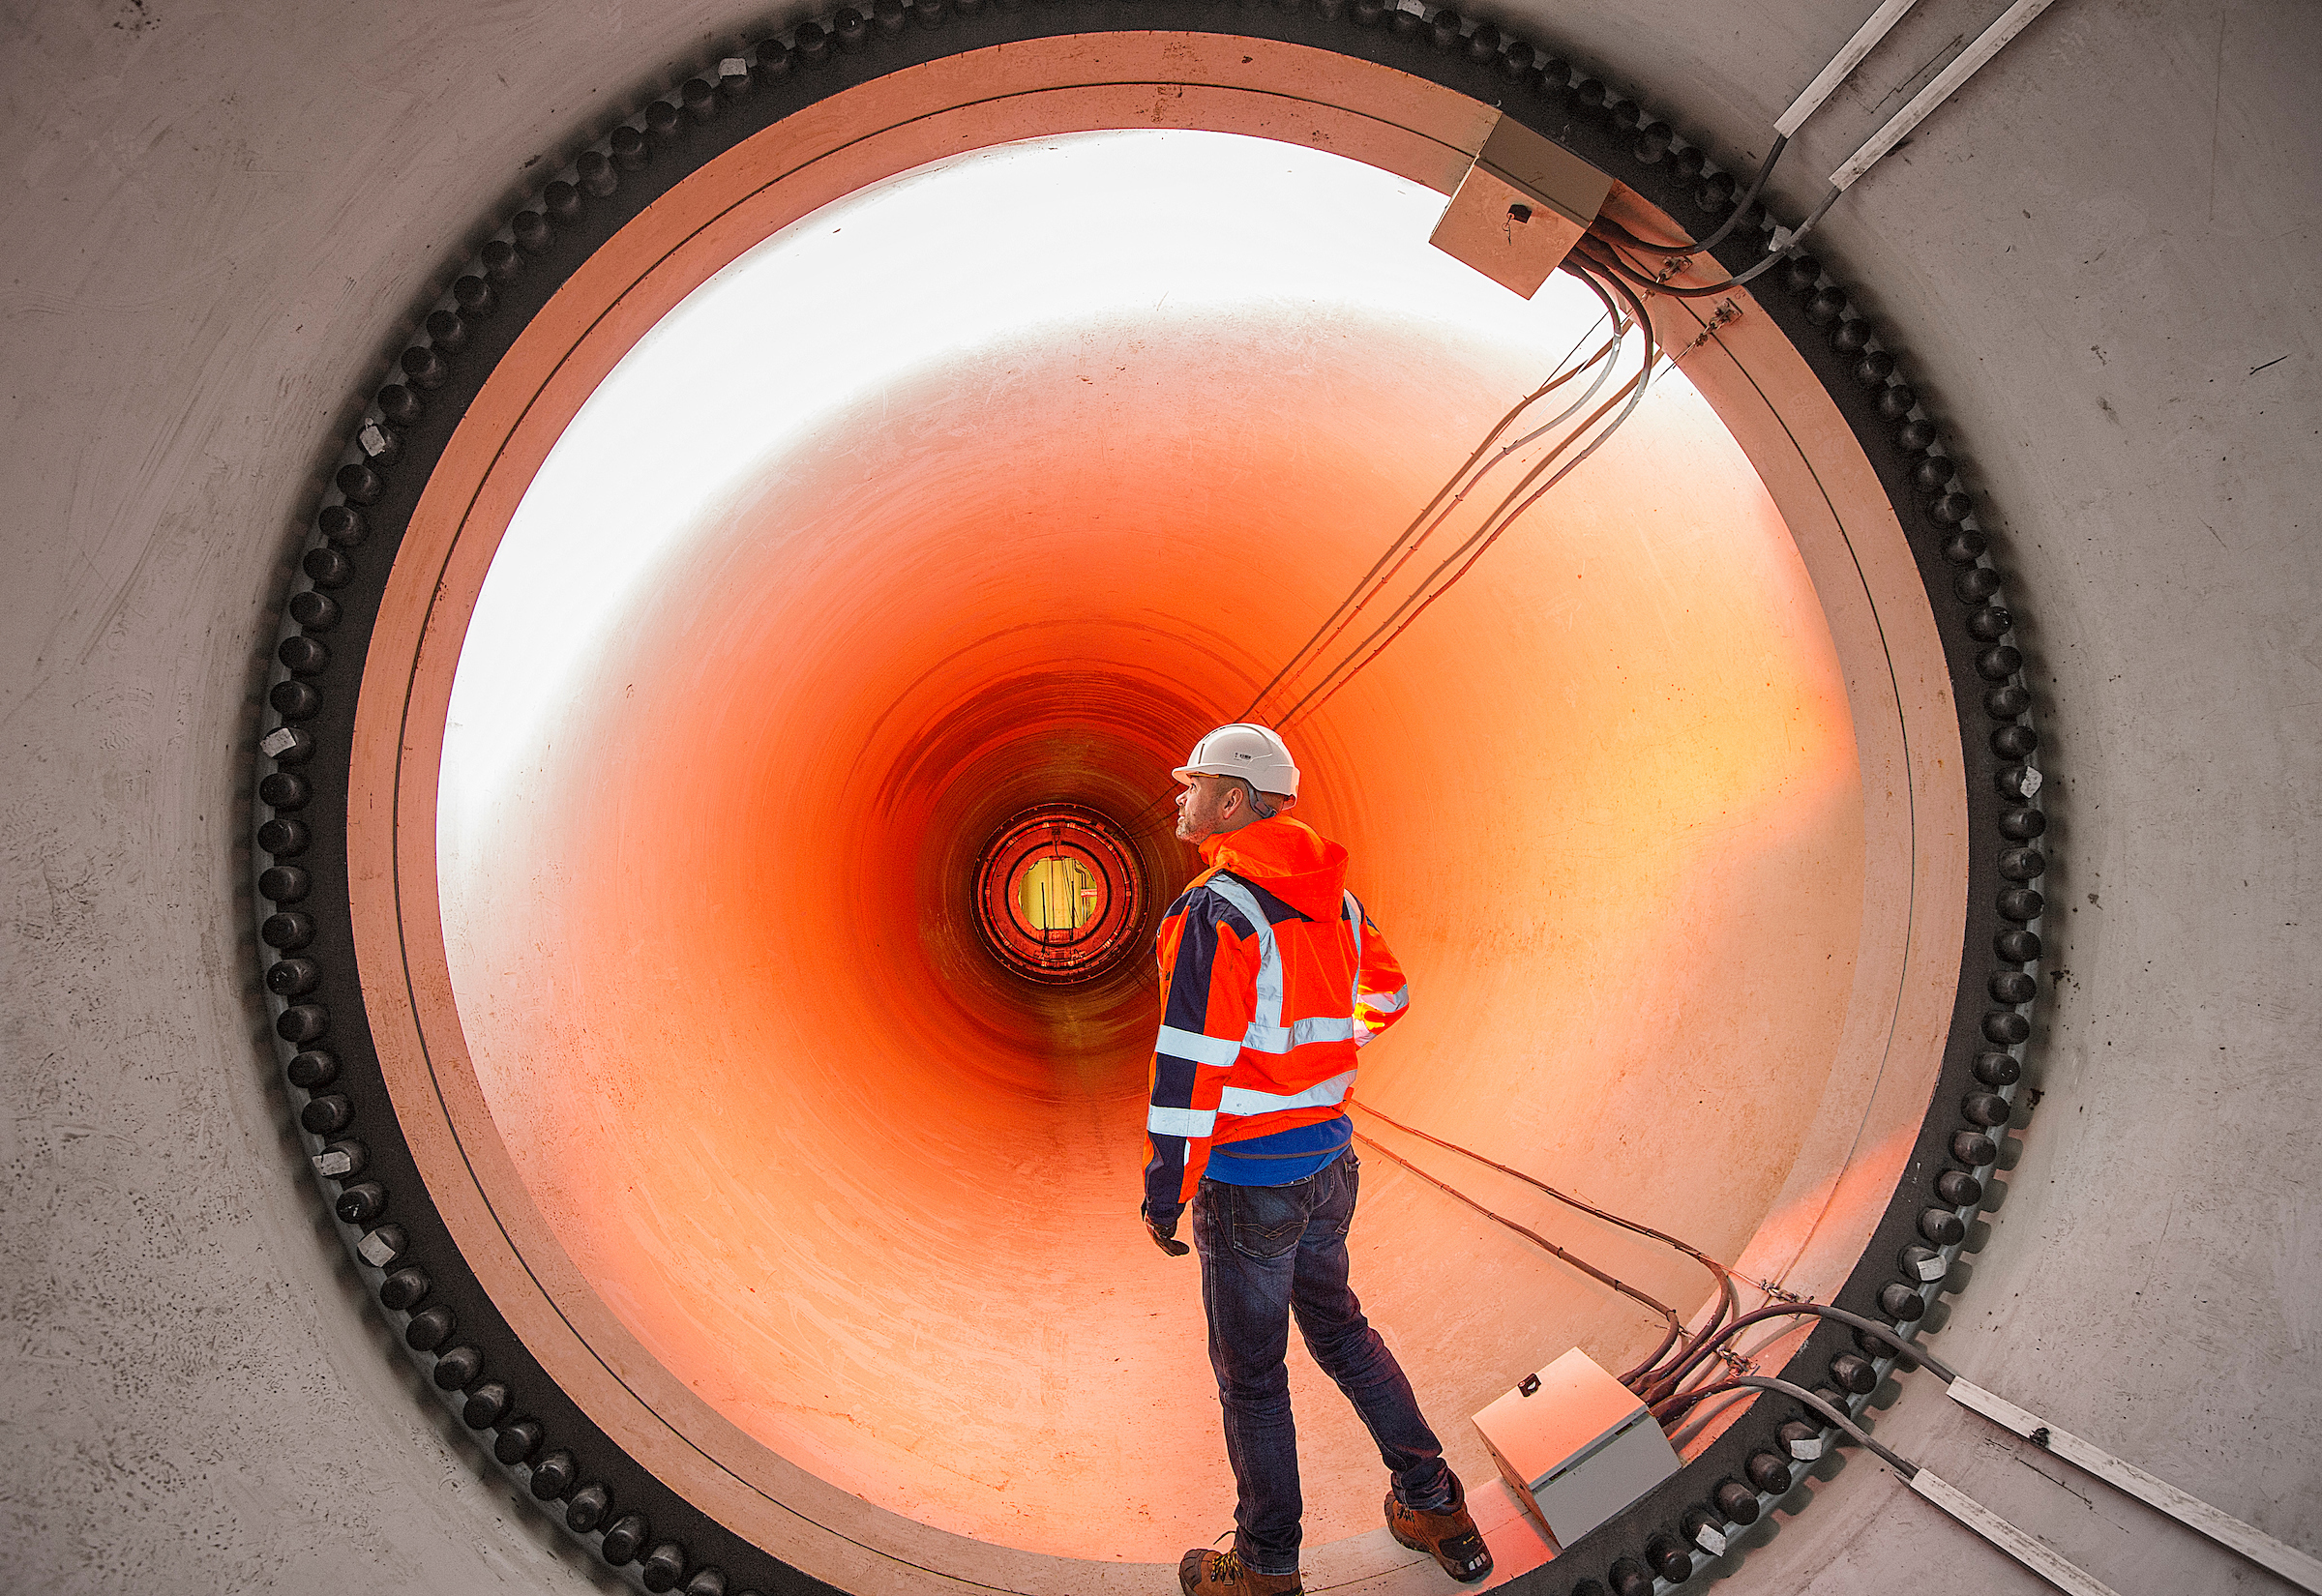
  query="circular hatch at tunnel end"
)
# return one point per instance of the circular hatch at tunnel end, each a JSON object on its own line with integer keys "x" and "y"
{"x": 1058, "y": 895}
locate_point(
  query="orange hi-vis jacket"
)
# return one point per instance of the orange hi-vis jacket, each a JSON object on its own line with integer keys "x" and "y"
{"x": 1271, "y": 977}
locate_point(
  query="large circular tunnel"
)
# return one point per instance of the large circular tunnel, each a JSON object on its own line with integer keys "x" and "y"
{"x": 710, "y": 861}
{"x": 308, "y": 1291}
{"x": 733, "y": 644}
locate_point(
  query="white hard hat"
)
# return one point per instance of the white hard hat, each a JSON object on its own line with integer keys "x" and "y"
{"x": 1255, "y": 753}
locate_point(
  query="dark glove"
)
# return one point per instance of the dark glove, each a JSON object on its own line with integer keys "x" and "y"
{"x": 1161, "y": 1224}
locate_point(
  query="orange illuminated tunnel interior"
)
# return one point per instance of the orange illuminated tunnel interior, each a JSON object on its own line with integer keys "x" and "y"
{"x": 729, "y": 758}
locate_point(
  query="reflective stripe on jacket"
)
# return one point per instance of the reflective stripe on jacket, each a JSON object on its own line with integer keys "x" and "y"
{"x": 1273, "y": 976}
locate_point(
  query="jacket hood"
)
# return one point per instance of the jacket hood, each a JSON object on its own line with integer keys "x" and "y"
{"x": 1290, "y": 859}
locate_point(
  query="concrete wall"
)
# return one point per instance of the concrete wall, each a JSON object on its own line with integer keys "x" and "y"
{"x": 217, "y": 220}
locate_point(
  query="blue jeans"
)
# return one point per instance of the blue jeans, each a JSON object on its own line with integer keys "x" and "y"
{"x": 1268, "y": 1252}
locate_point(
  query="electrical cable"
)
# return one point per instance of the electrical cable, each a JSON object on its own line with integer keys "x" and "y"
{"x": 2033, "y": 1553}
{"x": 1463, "y": 482}
{"x": 1670, "y": 1381}
{"x": 1409, "y": 545}
{"x": 1907, "y": 1349}
{"x": 1604, "y": 226}
{"x": 1404, "y": 544}
{"x": 1644, "y": 380}
{"x": 1728, "y": 1352}
{"x": 1356, "y": 659}
{"x": 1669, "y": 1402}
{"x": 1454, "y": 493}
{"x": 1667, "y": 1313}
{"x": 1495, "y": 524}
{"x": 1699, "y": 1419}
{"x": 1820, "y": 1405}
{"x": 1989, "y": 44}
{"x": 1726, "y": 1302}
{"x": 1720, "y": 1272}
{"x": 2190, "y": 1511}
{"x": 1553, "y": 422}
{"x": 1809, "y": 101}
{"x": 1355, "y": 594}
{"x": 1710, "y": 1336}
{"x": 1460, "y": 498}
{"x": 1303, "y": 649}
{"x": 1732, "y": 219}
{"x": 1612, "y": 261}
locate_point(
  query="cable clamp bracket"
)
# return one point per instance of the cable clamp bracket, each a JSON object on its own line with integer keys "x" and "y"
{"x": 1725, "y": 316}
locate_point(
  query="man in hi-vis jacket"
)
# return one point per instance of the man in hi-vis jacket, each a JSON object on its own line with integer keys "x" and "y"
{"x": 1271, "y": 977}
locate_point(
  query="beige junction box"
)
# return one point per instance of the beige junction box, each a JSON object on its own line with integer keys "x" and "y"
{"x": 1520, "y": 208}
{"x": 1576, "y": 1445}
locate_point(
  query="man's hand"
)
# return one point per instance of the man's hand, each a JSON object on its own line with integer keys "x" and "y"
{"x": 1161, "y": 1224}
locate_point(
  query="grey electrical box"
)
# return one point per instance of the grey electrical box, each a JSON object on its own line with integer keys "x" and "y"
{"x": 1576, "y": 1445}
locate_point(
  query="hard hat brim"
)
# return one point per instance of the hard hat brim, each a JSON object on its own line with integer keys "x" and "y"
{"x": 1180, "y": 773}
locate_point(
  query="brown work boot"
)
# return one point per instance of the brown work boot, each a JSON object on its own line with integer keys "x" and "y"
{"x": 1450, "y": 1537}
{"x": 1201, "y": 1572}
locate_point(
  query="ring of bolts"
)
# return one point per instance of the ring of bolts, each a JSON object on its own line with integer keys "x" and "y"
{"x": 1934, "y": 1204}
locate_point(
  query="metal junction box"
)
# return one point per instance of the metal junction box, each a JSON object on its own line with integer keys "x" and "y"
{"x": 1520, "y": 208}
{"x": 1576, "y": 1445}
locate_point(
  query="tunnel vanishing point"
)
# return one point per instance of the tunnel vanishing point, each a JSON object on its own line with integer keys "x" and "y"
{"x": 603, "y": 598}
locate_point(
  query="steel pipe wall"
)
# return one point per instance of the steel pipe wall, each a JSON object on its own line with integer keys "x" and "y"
{"x": 872, "y": 1194}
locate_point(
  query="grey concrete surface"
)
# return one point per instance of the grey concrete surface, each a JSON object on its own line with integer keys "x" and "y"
{"x": 216, "y": 218}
